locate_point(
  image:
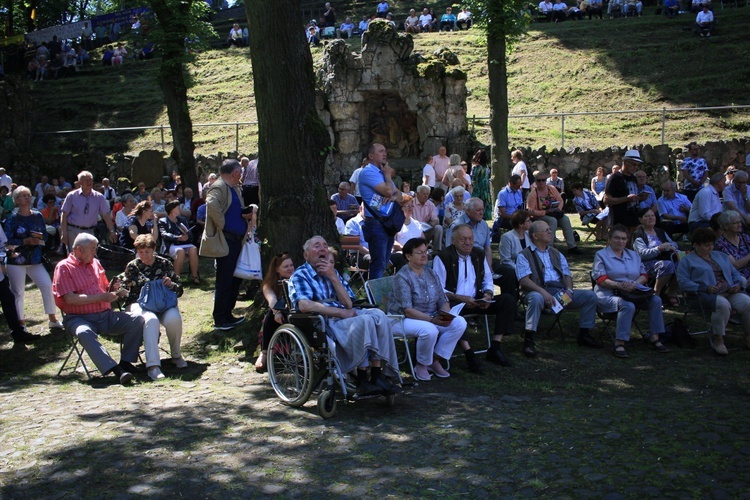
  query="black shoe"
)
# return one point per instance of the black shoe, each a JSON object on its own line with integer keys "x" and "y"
{"x": 575, "y": 251}
{"x": 24, "y": 337}
{"x": 387, "y": 387}
{"x": 473, "y": 364}
{"x": 496, "y": 356}
{"x": 367, "y": 389}
{"x": 126, "y": 378}
{"x": 529, "y": 349}
{"x": 129, "y": 367}
{"x": 588, "y": 341}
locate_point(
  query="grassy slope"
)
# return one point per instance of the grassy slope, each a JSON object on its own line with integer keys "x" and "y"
{"x": 642, "y": 63}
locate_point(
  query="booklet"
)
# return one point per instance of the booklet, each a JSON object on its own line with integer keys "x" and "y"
{"x": 562, "y": 299}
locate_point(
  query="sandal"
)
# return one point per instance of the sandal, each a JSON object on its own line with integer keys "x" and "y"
{"x": 196, "y": 280}
{"x": 620, "y": 351}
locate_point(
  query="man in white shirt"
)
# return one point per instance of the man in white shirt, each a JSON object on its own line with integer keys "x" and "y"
{"x": 5, "y": 179}
{"x": 428, "y": 172}
{"x": 545, "y": 9}
{"x": 706, "y": 203}
{"x": 354, "y": 182}
{"x": 425, "y": 20}
{"x": 704, "y": 21}
{"x": 340, "y": 226}
{"x": 463, "y": 20}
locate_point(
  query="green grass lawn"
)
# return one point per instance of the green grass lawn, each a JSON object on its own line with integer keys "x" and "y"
{"x": 620, "y": 64}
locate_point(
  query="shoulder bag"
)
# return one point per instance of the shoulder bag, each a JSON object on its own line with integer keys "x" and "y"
{"x": 156, "y": 297}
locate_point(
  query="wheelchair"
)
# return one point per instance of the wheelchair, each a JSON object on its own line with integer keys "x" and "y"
{"x": 302, "y": 361}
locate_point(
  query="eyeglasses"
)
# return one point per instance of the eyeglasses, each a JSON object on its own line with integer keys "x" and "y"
{"x": 541, "y": 180}
{"x": 419, "y": 252}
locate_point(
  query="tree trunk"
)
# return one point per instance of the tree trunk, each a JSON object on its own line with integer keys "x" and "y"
{"x": 293, "y": 142}
{"x": 498, "y": 96}
{"x": 172, "y": 82}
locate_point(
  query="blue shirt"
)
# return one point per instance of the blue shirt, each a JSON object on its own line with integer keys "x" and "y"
{"x": 481, "y": 231}
{"x": 523, "y": 268}
{"x": 672, "y": 207}
{"x": 233, "y": 221}
{"x": 307, "y": 284}
{"x": 650, "y": 201}
{"x": 369, "y": 177}
{"x": 731, "y": 193}
{"x": 585, "y": 203}
{"x": 509, "y": 199}
{"x": 344, "y": 203}
{"x": 354, "y": 228}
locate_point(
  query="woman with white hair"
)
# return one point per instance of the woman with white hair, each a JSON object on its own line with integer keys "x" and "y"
{"x": 26, "y": 230}
{"x": 455, "y": 208}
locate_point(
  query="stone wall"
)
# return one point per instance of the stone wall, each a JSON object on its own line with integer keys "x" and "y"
{"x": 660, "y": 162}
{"x": 386, "y": 94}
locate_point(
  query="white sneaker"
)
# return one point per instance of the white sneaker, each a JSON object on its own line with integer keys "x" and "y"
{"x": 179, "y": 362}
{"x": 55, "y": 324}
{"x": 155, "y": 373}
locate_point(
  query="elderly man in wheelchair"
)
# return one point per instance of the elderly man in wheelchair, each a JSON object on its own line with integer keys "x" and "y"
{"x": 362, "y": 336}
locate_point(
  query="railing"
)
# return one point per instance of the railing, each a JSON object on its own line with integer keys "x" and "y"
{"x": 474, "y": 122}
{"x": 562, "y": 116}
{"x": 161, "y": 128}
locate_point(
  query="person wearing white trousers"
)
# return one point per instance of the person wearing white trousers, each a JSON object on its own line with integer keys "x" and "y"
{"x": 40, "y": 277}
{"x": 25, "y": 230}
{"x": 418, "y": 294}
{"x": 147, "y": 266}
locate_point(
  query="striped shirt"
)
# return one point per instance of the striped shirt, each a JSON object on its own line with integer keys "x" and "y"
{"x": 307, "y": 284}
{"x": 73, "y": 276}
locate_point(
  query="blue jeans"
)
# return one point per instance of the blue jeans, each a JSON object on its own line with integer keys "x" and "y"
{"x": 380, "y": 245}
{"x": 585, "y": 300}
{"x": 227, "y": 286}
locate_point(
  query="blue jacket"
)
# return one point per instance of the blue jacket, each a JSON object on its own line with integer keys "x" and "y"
{"x": 695, "y": 274}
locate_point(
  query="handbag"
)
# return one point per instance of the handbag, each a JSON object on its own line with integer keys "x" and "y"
{"x": 394, "y": 222}
{"x": 640, "y": 298}
{"x": 156, "y": 297}
{"x": 248, "y": 264}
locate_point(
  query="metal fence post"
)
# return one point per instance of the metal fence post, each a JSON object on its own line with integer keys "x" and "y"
{"x": 562, "y": 130}
{"x": 162, "y": 138}
{"x": 237, "y": 137}
{"x": 473, "y": 123}
{"x": 663, "y": 124}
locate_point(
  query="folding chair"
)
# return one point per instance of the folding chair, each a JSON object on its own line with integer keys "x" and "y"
{"x": 350, "y": 246}
{"x": 79, "y": 351}
{"x": 693, "y": 303}
{"x": 545, "y": 312}
{"x": 608, "y": 317}
{"x": 378, "y": 292}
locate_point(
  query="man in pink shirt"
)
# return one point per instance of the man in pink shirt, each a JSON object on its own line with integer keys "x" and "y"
{"x": 425, "y": 212}
{"x": 440, "y": 163}
{"x": 81, "y": 210}
{"x": 81, "y": 291}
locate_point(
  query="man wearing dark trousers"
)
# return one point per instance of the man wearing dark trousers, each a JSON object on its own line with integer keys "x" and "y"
{"x": 250, "y": 184}
{"x": 466, "y": 277}
{"x": 223, "y": 237}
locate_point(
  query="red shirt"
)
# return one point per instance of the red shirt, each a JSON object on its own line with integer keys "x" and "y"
{"x": 73, "y": 276}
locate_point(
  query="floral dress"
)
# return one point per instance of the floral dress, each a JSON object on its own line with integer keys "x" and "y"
{"x": 480, "y": 176}
{"x": 452, "y": 213}
{"x": 737, "y": 252}
{"x": 137, "y": 274}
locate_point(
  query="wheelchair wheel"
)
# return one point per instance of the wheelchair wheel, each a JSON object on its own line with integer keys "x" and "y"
{"x": 290, "y": 365}
{"x": 327, "y": 403}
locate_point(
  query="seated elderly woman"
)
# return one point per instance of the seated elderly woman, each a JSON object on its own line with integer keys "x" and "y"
{"x": 455, "y": 208}
{"x": 515, "y": 240}
{"x": 418, "y": 294}
{"x": 656, "y": 248}
{"x": 711, "y": 275}
{"x": 619, "y": 276}
{"x": 734, "y": 242}
{"x": 147, "y": 266}
{"x": 175, "y": 238}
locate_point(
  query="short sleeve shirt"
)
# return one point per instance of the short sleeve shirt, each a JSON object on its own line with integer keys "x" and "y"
{"x": 697, "y": 167}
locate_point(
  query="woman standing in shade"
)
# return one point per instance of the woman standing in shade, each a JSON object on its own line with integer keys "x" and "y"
{"x": 480, "y": 178}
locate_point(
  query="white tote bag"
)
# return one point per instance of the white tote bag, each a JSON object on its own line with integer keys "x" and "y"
{"x": 248, "y": 265}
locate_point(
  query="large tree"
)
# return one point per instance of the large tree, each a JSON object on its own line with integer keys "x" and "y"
{"x": 177, "y": 22}
{"x": 503, "y": 22}
{"x": 293, "y": 143}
